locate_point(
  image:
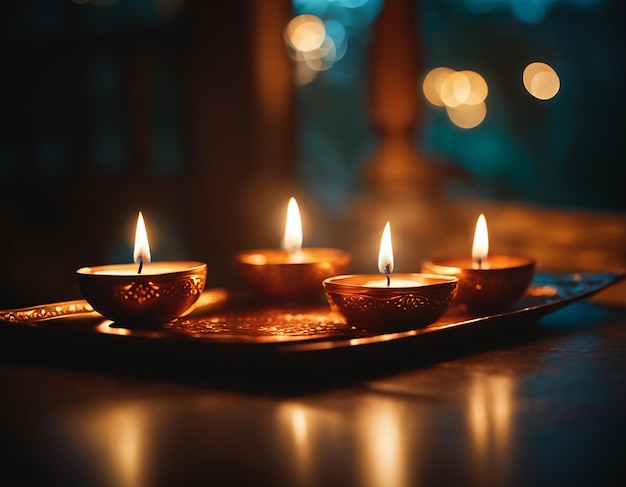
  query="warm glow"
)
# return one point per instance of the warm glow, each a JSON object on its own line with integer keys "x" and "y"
{"x": 315, "y": 45}
{"x": 541, "y": 81}
{"x": 121, "y": 435}
{"x": 293, "y": 228}
{"x": 480, "y": 249}
{"x": 490, "y": 417}
{"x": 385, "y": 255}
{"x": 455, "y": 89}
{"x": 432, "y": 84}
{"x": 323, "y": 58}
{"x": 142, "y": 248}
{"x": 467, "y": 116}
{"x": 296, "y": 423}
{"x": 305, "y": 33}
{"x": 462, "y": 93}
{"x": 303, "y": 74}
{"x": 478, "y": 89}
{"x": 388, "y": 450}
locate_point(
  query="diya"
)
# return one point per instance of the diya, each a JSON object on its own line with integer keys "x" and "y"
{"x": 487, "y": 283}
{"x": 291, "y": 272}
{"x": 394, "y": 303}
{"x": 144, "y": 292}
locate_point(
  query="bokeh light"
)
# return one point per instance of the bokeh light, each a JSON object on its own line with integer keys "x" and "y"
{"x": 541, "y": 80}
{"x": 319, "y": 35}
{"x": 315, "y": 45}
{"x": 455, "y": 89}
{"x": 462, "y": 93}
{"x": 467, "y": 116}
{"x": 478, "y": 89}
{"x": 432, "y": 84}
{"x": 305, "y": 33}
{"x": 337, "y": 32}
{"x": 304, "y": 74}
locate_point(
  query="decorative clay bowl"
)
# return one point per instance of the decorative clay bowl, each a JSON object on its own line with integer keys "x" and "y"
{"x": 162, "y": 292}
{"x": 487, "y": 289}
{"x": 390, "y": 309}
{"x": 276, "y": 275}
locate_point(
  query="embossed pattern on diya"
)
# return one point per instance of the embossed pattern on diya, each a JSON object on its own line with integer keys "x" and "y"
{"x": 383, "y": 309}
{"x": 143, "y": 291}
{"x": 402, "y": 302}
{"x": 125, "y": 296}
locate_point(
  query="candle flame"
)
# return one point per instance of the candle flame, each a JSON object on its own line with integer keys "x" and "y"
{"x": 293, "y": 228}
{"x": 385, "y": 255}
{"x": 480, "y": 249}
{"x": 141, "y": 252}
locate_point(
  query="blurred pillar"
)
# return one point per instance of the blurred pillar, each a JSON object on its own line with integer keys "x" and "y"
{"x": 402, "y": 185}
{"x": 395, "y": 104}
{"x": 273, "y": 91}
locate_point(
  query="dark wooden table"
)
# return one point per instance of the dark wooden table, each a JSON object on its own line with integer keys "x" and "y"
{"x": 543, "y": 405}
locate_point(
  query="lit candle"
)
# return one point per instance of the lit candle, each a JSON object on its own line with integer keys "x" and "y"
{"x": 292, "y": 242}
{"x": 480, "y": 247}
{"x": 386, "y": 266}
{"x": 486, "y": 282}
{"x": 142, "y": 292}
{"x": 141, "y": 252}
{"x": 385, "y": 254}
{"x": 396, "y": 303}
{"x": 292, "y": 272}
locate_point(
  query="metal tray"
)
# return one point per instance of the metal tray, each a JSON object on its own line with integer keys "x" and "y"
{"x": 229, "y": 328}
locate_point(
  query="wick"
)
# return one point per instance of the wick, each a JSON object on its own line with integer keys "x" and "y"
{"x": 140, "y": 265}
{"x": 387, "y": 266}
{"x": 479, "y": 263}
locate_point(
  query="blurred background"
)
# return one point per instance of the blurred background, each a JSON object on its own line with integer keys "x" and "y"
{"x": 208, "y": 115}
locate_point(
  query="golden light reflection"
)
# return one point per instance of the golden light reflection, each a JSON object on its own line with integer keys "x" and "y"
{"x": 373, "y": 441}
{"x": 490, "y": 415}
{"x": 299, "y": 422}
{"x": 541, "y": 80}
{"x": 462, "y": 93}
{"x": 120, "y": 433}
{"x": 295, "y": 417}
{"x": 386, "y": 453}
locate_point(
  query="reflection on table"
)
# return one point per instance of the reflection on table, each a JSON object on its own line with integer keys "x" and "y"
{"x": 539, "y": 406}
